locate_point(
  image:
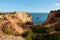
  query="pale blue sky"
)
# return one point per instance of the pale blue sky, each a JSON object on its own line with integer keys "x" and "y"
{"x": 29, "y": 5}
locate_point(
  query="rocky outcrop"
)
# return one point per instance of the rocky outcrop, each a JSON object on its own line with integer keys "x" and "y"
{"x": 16, "y": 22}
{"x": 53, "y": 20}
{"x": 11, "y": 37}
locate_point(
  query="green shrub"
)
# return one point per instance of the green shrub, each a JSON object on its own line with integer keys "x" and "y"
{"x": 8, "y": 31}
{"x": 41, "y": 33}
{"x": 42, "y": 29}
{"x": 29, "y": 36}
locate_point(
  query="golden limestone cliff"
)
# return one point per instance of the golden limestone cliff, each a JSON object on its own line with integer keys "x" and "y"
{"x": 16, "y": 23}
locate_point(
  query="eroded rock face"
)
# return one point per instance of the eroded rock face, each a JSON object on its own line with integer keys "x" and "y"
{"x": 16, "y": 22}
{"x": 53, "y": 19}
{"x": 11, "y": 37}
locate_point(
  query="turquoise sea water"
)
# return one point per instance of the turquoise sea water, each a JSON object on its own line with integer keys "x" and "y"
{"x": 39, "y": 18}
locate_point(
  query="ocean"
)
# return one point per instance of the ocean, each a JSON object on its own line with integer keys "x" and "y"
{"x": 38, "y": 18}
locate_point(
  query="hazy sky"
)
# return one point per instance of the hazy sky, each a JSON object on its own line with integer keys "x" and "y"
{"x": 29, "y": 5}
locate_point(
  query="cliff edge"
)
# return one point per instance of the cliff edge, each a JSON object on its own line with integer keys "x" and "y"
{"x": 15, "y": 23}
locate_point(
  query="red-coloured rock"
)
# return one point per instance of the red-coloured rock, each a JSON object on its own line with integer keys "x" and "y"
{"x": 53, "y": 19}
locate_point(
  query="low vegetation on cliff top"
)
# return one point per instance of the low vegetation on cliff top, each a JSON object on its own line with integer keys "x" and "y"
{"x": 7, "y": 13}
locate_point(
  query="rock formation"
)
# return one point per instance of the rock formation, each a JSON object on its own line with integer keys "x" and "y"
{"x": 15, "y": 22}
{"x": 11, "y": 37}
{"x": 53, "y": 20}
